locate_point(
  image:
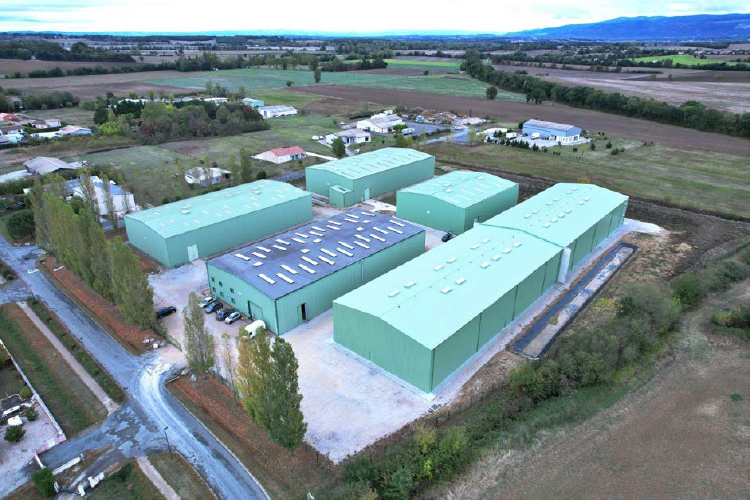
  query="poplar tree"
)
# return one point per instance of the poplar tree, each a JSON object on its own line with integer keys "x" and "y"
{"x": 253, "y": 370}
{"x": 131, "y": 290}
{"x": 109, "y": 203}
{"x": 286, "y": 422}
{"x": 228, "y": 359}
{"x": 199, "y": 344}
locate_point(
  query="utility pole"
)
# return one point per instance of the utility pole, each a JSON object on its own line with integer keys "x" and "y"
{"x": 167, "y": 440}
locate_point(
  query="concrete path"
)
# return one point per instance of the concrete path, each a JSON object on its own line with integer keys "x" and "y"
{"x": 70, "y": 359}
{"x": 164, "y": 488}
{"x": 328, "y": 158}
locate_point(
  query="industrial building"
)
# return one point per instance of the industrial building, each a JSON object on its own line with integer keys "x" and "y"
{"x": 425, "y": 319}
{"x": 354, "y": 179}
{"x": 456, "y": 201}
{"x": 186, "y": 230}
{"x": 560, "y": 132}
{"x": 291, "y": 278}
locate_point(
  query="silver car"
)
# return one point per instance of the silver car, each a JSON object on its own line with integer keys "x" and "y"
{"x": 232, "y": 318}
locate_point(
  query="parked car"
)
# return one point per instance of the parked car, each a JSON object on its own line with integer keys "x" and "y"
{"x": 408, "y": 131}
{"x": 223, "y": 313}
{"x": 213, "y": 307}
{"x": 447, "y": 236}
{"x": 208, "y": 300}
{"x": 232, "y": 318}
{"x": 165, "y": 311}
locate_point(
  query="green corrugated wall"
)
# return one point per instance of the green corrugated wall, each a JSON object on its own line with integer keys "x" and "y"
{"x": 454, "y": 352}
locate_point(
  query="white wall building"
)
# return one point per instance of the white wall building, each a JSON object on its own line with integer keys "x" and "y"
{"x": 122, "y": 200}
{"x": 380, "y": 124}
{"x": 350, "y": 136}
{"x": 276, "y": 111}
{"x": 282, "y": 155}
{"x": 206, "y": 176}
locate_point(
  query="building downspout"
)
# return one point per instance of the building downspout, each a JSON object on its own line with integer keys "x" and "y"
{"x": 564, "y": 265}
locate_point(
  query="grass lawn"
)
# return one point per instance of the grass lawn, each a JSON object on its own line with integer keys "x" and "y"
{"x": 71, "y": 116}
{"x": 10, "y": 381}
{"x": 273, "y": 97}
{"x": 449, "y": 65}
{"x": 687, "y": 178}
{"x": 134, "y": 157}
{"x": 259, "y": 79}
{"x": 71, "y": 402}
{"x": 686, "y": 59}
{"x": 181, "y": 476}
{"x": 129, "y": 482}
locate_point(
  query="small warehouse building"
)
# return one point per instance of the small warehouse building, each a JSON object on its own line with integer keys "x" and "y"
{"x": 425, "y": 319}
{"x": 276, "y": 111}
{"x": 380, "y": 123}
{"x": 350, "y": 136}
{"x": 291, "y": 278}
{"x": 252, "y": 102}
{"x": 560, "y": 132}
{"x": 186, "y": 230}
{"x": 354, "y": 179}
{"x": 456, "y": 201}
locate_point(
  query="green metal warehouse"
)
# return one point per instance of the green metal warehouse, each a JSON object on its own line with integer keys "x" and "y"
{"x": 426, "y": 318}
{"x": 454, "y": 202}
{"x": 354, "y": 179}
{"x": 182, "y": 231}
{"x": 291, "y": 278}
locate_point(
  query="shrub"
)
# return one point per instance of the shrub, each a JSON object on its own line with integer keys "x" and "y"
{"x": 353, "y": 491}
{"x": 261, "y": 175}
{"x": 44, "y": 481}
{"x": 689, "y": 290}
{"x": 21, "y": 224}
{"x": 25, "y": 393}
{"x": 14, "y": 433}
{"x": 608, "y": 145}
{"x": 360, "y": 470}
{"x": 399, "y": 484}
{"x": 123, "y": 473}
{"x": 31, "y": 414}
{"x": 593, "y": 146}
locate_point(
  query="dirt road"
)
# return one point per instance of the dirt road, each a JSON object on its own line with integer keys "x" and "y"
{"x": 509, "y": 111}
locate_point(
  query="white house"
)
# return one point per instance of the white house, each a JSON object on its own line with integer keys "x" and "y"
{"x": 350, "y": 136}
{"x": 490, "y": 132}
{"x": 122, "y": 200}
{"x": 380, "y": 124}
{"x": 276, "y": 111}
{"x": 11, "y": 134}
{"x": 45, "y": 165}
{"x": 41, "y": 124}
{"x": 282, "y": 155}
{"x": 73, "y": 130}
{"x": 216, "y": 100}
{"x": 206, "y": 176}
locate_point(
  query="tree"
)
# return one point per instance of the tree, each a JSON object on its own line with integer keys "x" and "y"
{"x": 491, "y": 92}
{"x": 426, "y": 72}
{"x": 21, "y": 224}
{"x": 109, "y": 203}
{"x": 286, "y": 422}
{"x": 199, "y": 343}
{"x": 44, "y": 481}
{"x": 246, "y": 167}
{"x": 130, "y": 287}
{"x": 31, "y": 414}
{"x": 339, "y": 148}
{"x": 317, "y": 75}
{"x": 289, "y": 83}
{"x": 14, "y": 433}
{"x": 401, "y": 141}
{"x": 228, "y": 360}
{"x": 251, "y": 374}
{"x": 89, "y": 193}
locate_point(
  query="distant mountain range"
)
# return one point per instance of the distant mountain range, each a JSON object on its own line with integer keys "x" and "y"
{"x": 681, "y": 28}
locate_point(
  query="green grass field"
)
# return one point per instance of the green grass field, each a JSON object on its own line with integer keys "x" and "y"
{"x": 688, "y": 178}
{"x": 450, "y": 65}
{"x": 262, "y": 79}
{"x": 685, "y": 59}
{"x": 136, "y": 157}
{"x": 73, "y": 116}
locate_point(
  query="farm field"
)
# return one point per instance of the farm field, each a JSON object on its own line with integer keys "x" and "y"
{"x": 686, "y": 59}
{"x": 74, "y": 116}
{"x": 508, "y": 111}
{"x": 686, "y": 178}
{"x": 256, "y": 79}
{"x": 450, "y": 65}
{"x": 10, "y": 66}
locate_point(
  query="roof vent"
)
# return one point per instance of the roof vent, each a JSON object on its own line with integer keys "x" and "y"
{"x": 347, "y": 245}
{"x": 333, "y": 227}
{"x": 567, "y": 210}
{"x": 266, "y": 278}
{"x": 446, "y": 289}
{"x": 554, "y": 219}
{"x": 259, "y": 255}
{"x": 549, "y": 203}
{"x": 317, "y": 240}
{"x": 302, "y": 235}
{"x": 378, "y": 237}
{"x": 527, "y": 216}
{"x": 304, "y": 267}
{"x": 438, "y": 267}
{"x": 326, "y": 260}
{"x": 397, "y": 223}
{"x": 283, "y": 242}
{"x": 496, "y": 257}
{"x": 535, "y": 211}
{"x": 475, "y": 246}
{"x": 517, "y": 244}
{"x": 506, "y": 250}
{"x": 308, "y": 259}
{"x": 486, "y": 240}
{"x": 298, "y": 240}
{"x": 288, "y": 269}
{"x": 305, "y": 250}
{"x": 546, "y": 224}
{"x": 348, "y": 254}
{"x": 485, "y": 265}
{"x": 410, "y": 284}
{"x": 555, "y": 199}
{"x": 184, "y": 211}
{"x": 362, "y": 245}
{"x": 397, "y": 231}
{"x": 451, "y": 260}
{"x": 328, "y": 252}
{"x": 285, "y": 278}
{"x": 380, "y": 230}
{"x": 243, "y": 257}
{"x": 460, "y": 281}
{"x": 586, "y": 198}
{"x": 279, "y": 247}
{"x": 394, "y": 293}
{"x": 265, "y": 249}
{"x": 335, "y": 223}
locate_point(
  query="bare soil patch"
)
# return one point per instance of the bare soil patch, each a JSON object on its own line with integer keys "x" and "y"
{"x": 509, "y": 111}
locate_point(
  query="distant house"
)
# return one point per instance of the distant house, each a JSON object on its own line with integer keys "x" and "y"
{"x": 122, "y": 200}
{"x": 276, "y": 111}
{"x": 73, "y": 130}
{"x": 381, "y": 124}
{"x": 206, "y": 176}
{"x": 41, "y": 124}
{"x": 560, "y": 132}
{"x": 350, "y": 136}
{"x": 283, "y": 155}
{"x": 12, "y": 134}
{"x": 8, "y": 117}
{"x": 216, "y": 100}
{"x": 42, "y": 165}
{"x": 253, "y": 103}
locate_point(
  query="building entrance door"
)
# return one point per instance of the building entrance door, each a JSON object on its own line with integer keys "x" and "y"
{"x": 192, "y": 251}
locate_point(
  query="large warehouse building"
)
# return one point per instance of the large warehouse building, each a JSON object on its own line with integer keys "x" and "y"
{"x": 354, "y": 179}
{"x": 179, "y": 232}
{"x": 560, "y": 132}
{"x": 294, "y": 277}
{"x": 454, "y": 202}
{"x": 425, "y": 319}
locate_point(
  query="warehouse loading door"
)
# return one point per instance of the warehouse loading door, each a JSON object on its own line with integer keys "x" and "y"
{"x": 192, "y": 252}
{"x": 367, "y": 194}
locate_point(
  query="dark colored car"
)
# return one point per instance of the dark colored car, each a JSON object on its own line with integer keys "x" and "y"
{"x": 165, "y": 311}
{"x": 447, "y": 236}
{"x": 213, "y": 307}
{"x": 223, "y": 313}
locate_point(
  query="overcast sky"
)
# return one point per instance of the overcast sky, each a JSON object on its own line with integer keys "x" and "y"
{"x": 347, "y": 16}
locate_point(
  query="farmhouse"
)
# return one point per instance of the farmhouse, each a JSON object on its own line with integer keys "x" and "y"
{"x": 358, "y": 178}
{"x": 457, "y": 201}
{"x": 42, "y": 124}
{"x": 253, "y": 103}
{"x": 291, "y": 278}
{"x": 282, "y": 155}
{"x": 8, "y": 117}
{"x": 42, "y": 165}
{"x": 548, "y": 130}
{"x": 276, "y": 111}
{"x": 424, "y": 320}
{"x": 73, "y": 130}
{"x": 350, "y": 136}
{"x": 183, "y": 231}
{"x": 122, "y": 200}
{"x": 380, "y": 124}
{"x": 206, "y": 176}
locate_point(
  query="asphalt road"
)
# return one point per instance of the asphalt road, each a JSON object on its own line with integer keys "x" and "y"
{"x": 137, "y": 428}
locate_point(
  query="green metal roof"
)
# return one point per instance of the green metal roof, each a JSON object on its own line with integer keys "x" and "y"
{"x": 429, "y": 298}
{"x": 380, "y": 160}
{"x": 208, "y": 209}
{"x": 462, "y": 188}
{"x": 561, "y": 213}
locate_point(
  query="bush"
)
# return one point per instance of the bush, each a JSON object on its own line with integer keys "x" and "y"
{"x": 689, "y": 290}
{"x": 608, "y": 145}
{"x": 44, "y": 481}
{"x": 31, "y": 414}
{"x": 14, "y": 433}
{"x": 360, "y": 470}
{"x": 123, "y": 473}
{"x": 25, "y": 393}
{"x": 261, "y": 175}
{"x": 353, "y": 491}
{"x": 399, "y": 484}
{"x": 21, "y": 224}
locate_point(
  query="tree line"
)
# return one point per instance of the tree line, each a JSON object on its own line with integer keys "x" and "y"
{"x": 78, "y": 241}
{"x": 50, "y": 100}
{"x": 690, "y": 114}
{"x": 48, "y": 51}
